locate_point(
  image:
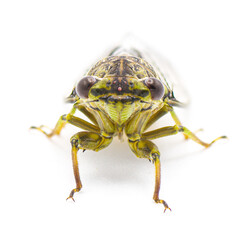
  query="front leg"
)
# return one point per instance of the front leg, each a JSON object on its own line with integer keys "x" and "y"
{"x": 85, "y": 141}
{"x": 58, "y": 127}
{"x": 147, "y": 149}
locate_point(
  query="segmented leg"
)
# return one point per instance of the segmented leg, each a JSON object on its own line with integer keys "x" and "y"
{"x": 143, "y": 148}
{"x": 76, "y": 171}
{"x": 69, "y": 118}
{"x": 147, "y": 149}
{"x": 157, "y": 183}
{"x": 177, "y": 121}
{"x": 85, "y": 141}
{"x": 92, "y": 140}
{"x": 160, "y": 113}
{"x": 157, "y": 115}
{"x": 167, "y": 131}
{"x": 58, "y": 128}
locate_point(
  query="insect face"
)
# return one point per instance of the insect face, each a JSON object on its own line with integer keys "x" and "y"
{"x": 119, "y": 97}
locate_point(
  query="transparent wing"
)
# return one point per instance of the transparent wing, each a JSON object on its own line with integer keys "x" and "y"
{"x": 165, "y": 71}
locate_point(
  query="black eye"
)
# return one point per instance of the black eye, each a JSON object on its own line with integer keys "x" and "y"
{"x": 84, "y": 85}
{"x": 155, "y": 86}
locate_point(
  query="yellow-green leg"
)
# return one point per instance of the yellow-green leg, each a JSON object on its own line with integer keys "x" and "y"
{"x": 76, "y": 171}
{"x": 157, "y": 115}
{"x": 171, "y": 130}
{"x": 85, "y": 141}
{"x": 92, "y": 140}
{"x": 157, "y": 184}
{"x": 58, "y": 127}
{"x": 160, "y": 113}
{"x": 147, "y": 149}
{"x": 69, "y": 118}
{"x": 144, "y": 148}
{"x": 177, "y": 121}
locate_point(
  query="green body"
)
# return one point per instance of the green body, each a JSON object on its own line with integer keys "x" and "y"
{"x": 121, "y": 103}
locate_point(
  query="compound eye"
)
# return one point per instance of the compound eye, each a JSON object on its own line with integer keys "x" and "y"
{"x": 155, "y": 86}
{"x": 84, "y": 85}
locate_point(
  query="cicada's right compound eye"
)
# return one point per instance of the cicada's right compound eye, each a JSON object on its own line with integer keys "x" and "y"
{"x": 84, "y": 85}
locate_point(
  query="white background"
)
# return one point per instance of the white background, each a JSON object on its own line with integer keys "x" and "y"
{"x": 45, "y": 48}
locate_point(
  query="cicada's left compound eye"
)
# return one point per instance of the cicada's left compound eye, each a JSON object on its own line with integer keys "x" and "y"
{"x": 84, "y": 85}
{"x": 155, "y": 86}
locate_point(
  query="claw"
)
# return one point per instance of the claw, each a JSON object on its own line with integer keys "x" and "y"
{"x": 72, "y": 193}
{"x": 222, "y": 137}
{"x": 164, "y": 203}
{"x": 70, "y": 198}
{"x": 166, "y": 209}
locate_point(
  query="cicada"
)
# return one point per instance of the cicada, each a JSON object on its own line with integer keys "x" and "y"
{"x": 123, "y": 94}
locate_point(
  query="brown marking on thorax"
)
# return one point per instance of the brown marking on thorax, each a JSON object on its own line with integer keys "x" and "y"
{"x": 122, "y": 66}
